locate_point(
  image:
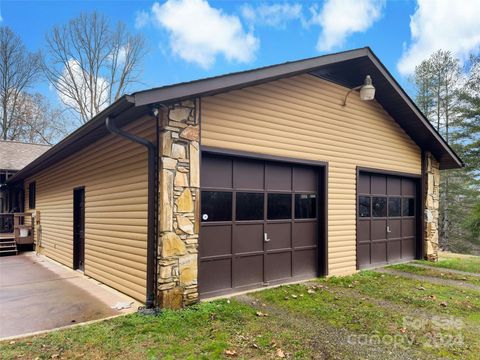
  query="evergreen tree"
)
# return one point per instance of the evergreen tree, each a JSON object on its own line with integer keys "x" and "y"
{"x": 450, "y": 99}
{"x": 468, "y": 135}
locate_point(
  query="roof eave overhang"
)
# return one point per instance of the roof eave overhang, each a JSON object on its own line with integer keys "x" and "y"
{"x": 141, "y": 100}
{"x": 455, "y": 162}
{"x": 211, "y": 86}
{"x": 74, "y": 140}
{"x": 219, "y": 84}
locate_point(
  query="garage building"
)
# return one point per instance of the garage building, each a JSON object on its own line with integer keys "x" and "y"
{"x": 241, "y": 181}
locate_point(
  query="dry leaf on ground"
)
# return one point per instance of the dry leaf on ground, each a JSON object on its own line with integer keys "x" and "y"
{"x": 280, "y": 353}
{"x": 229, "y": 352}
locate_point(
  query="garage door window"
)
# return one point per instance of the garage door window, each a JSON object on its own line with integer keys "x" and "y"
{"x": 305, "y": 206}
{"x": 394, "y": 206}
{"x": 364, "y": 206}
{"x": 279, "y": 206}
{"x": 408, "y": 207}
{"x": 249, "y": 206}
{"x": 216, "y": 206}
{"x": 379, "y": 206}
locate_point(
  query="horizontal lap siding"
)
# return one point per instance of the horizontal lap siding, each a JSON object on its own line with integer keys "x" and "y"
{"x": 114, "y": 174}
{"x": 301, "y": 117}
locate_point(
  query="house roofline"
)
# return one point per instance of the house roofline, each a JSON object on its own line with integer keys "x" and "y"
{"x": 96, "y": 122}
{"x": 232, "y": 81}
{"x": 414, "y": 107}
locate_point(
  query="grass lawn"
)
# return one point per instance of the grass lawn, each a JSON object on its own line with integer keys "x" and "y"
{"x": 382, "y": 304}
{"x": 440, "y": 273}
{"x": 462, "y": 263}
{"x": 367, "y": 315}
{"x": 203, "y": 331}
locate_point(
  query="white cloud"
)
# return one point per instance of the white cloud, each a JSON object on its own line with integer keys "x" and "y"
{"x": 75, "y": 79}
{"x": 441, "y": 24}
{"x": 341, "y": 18}
{"x": 275, "y": 15}
{"x": 119, "y": 55}
{"x": 142, "y": 18}
{"x": 199, "y": 33}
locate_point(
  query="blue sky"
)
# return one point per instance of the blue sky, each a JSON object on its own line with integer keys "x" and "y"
{"x": 190, "y": 39}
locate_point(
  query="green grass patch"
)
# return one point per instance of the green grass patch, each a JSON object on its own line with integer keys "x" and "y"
{"x": 468, "y": 264}
{"x": 368, "y": 303}
{"x": 202, "y": 331}
{"x": 440, "y": 301}
{"x": 333, "y": 307}
{"x": 422, "y": 294}
{"x": 346, "y": 302}
{"x": 437, "y": 273}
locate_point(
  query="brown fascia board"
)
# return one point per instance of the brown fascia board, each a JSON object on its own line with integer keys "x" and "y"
{"x": 237, "y": 80}
{"x": 424, "y": 121}
{"x": 61, "y": 149}
{"x": 223, "y": 83}
{"x": 220, "y": 84}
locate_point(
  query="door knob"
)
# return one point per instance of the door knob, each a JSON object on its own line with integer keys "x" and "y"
{"x": 265, "y": 237}
{"x": 388, "y": 229}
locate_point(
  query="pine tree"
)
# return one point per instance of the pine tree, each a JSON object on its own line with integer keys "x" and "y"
{"x": 468, "y": 135}
{"x": 450, "y": 98}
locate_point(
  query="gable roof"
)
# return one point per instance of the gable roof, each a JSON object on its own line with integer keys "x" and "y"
{"x": 16, "y": 155}
{"x": 347, "y": 68}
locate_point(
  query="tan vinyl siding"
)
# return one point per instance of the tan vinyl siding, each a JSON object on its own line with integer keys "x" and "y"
{"x": 301, "y": 117}
{"x": 114, "y": 174}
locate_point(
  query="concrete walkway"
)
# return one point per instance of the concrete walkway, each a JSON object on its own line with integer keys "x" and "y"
{"x": 38, "y": 294}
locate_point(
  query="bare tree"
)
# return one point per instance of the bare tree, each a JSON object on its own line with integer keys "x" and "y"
{"x": 19, "y": 70}
{"x": 37, "y": 121}
{"x": 91, "y": 64}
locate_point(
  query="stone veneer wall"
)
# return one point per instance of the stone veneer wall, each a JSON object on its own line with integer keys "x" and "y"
{"x": 178, "y": 206}
{"x": 432, "y": 201}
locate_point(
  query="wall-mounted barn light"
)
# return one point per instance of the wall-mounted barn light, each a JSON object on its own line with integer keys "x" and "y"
{"x": 367, "y": 91}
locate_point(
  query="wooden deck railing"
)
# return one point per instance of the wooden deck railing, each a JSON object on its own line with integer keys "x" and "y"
{"x": 6, "y": 223}
{"x": 18, "y": 226}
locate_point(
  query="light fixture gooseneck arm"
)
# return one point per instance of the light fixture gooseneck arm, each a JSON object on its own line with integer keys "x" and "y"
{"x": 367, "y": 91}
{"x": 348, "y": 93}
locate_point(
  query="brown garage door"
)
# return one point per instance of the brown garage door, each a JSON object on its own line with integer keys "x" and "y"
{"x": 386, "y": 219}
{"x": 259, "y": 224}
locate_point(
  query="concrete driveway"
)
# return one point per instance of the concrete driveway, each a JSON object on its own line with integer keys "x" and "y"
{"x": 38, "y": 294}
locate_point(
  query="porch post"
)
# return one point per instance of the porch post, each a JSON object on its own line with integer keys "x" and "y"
{"x": 178, "y": 205}
{"x": 432, "y": 200}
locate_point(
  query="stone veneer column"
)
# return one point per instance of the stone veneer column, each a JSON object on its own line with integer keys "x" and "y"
{"x": 432, "y": 201}
{"x": 178, "y": 206}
